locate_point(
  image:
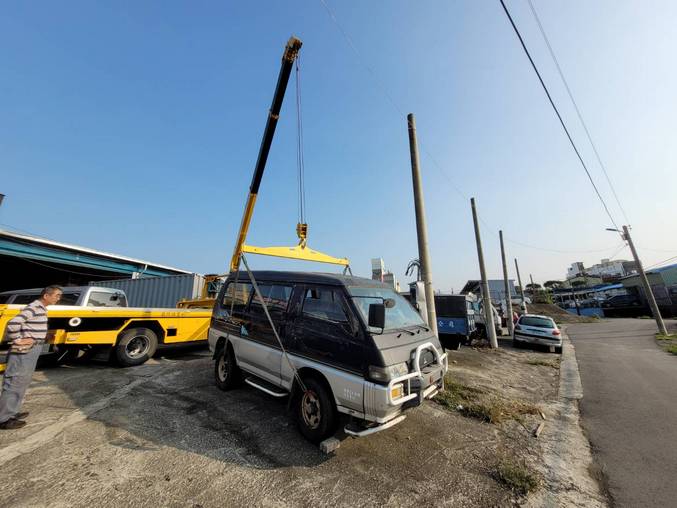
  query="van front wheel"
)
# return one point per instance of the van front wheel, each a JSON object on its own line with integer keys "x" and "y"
{"x": 315, "y": 412}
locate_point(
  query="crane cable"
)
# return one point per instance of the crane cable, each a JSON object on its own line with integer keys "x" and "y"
{"x": 302, "y": 226}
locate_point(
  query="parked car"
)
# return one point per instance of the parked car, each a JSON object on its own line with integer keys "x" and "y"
{"x": 341, "y": 345}
{"x": 621, "y": 301}
{"x": 535, "y": 329}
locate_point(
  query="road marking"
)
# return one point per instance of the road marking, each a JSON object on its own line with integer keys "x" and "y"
{"x": 47, "y": 435}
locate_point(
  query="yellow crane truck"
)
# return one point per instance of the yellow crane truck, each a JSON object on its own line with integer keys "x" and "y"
{"x": 98, "y": 321}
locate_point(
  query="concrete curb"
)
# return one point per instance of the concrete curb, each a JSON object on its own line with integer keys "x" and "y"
{"x": 566, "y": 451}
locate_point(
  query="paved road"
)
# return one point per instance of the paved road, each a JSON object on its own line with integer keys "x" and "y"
{"x": 629, "y": 409}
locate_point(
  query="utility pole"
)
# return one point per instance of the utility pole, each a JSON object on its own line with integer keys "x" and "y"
{"x": 421, "y": 227}
{"x": 645, "y": 282}
{"x": 506, "y": 284}
{"x": 519, "y": 281}
{"x": 486, "y": 297}
{"x": 533, "y": 288}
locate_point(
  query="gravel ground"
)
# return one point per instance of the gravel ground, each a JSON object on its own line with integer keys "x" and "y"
{"x": 163, "y": 435}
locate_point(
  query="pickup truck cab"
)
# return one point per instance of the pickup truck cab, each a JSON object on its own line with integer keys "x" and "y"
{"x": 340, "y": 345}
{"x": 85, "y": 296}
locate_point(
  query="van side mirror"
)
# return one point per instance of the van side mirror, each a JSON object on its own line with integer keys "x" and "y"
{"x": 377, "y": 315}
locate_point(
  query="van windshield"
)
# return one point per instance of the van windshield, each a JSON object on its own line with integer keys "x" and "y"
{"x": 400, "y": 315}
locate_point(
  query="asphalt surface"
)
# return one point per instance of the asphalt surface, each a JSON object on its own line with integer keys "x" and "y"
{"x": 629, "y": 409}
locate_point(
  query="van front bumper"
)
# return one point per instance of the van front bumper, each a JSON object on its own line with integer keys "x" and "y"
{"x": 381, "y": 406}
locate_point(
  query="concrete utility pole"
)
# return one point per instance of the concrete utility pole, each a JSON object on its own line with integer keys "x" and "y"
{"x": 506, "y": 284}
{"x": 486, "y": 297}
{"x": 421, "y": 227}
{"x": 519, "y": 281}
{"x": 645, "y": 282}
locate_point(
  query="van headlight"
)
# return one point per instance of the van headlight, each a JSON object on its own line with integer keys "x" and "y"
{"x": 385, "y": 374}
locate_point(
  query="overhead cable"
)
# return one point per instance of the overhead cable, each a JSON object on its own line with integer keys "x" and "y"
{"x": 561, "y": 121}
{"x": 578, "y": 111}
{"x": 379, "y": 84}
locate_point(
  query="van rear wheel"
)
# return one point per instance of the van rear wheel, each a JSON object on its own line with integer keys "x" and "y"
{"x": 136, "y": 346}
{"x": 226, "y": 371}
{"x": 315, "y": 412}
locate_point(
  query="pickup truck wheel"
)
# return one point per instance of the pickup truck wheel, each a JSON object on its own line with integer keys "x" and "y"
{"x": 315, "y": 412}
{"x": 226, "y": 371}
{"x": 135, "y": 346}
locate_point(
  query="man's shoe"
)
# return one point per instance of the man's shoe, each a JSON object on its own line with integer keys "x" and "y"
{"x": 12, "y": 423}
{"x": 21, "y": 416}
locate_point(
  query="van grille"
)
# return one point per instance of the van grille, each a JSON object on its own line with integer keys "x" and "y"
{"x": 427, "y": 358}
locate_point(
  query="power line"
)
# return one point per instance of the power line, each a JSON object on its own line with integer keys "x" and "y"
{"x": 379, "y": 84}
{"x": 578, "y": 112}
{"x": 561, "y": 121}
{"x": 659, "y": 263}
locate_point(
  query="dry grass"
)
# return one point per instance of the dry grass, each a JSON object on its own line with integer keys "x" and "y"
{"x": 544, "y": 363}
{"x": 480, "y": 404}
{"x": 517, "y": 477}
{"x": 667, "y": 342}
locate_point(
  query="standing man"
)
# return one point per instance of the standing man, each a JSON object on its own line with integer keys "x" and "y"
{"x": 26, "y": 332}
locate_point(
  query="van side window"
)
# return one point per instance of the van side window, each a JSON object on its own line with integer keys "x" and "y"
{"x": 275, "y": 296}
{"x": 236, "y": 295}
{"x": 324, "y": 304}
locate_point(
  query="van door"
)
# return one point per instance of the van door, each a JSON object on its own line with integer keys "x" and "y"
{"x": 323, "y": 329}
{"x": 262, "y": 349}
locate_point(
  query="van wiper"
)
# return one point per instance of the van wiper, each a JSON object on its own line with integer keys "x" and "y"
{"x": 403, "y": 330}
{"x": 426, "y": 328}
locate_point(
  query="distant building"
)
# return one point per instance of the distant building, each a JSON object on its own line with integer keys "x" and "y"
{"x": 496, "y": 288}
{"x": 606, "y": 269}
{"x": 379, "y": 272}
{"x": 575, "y": 269}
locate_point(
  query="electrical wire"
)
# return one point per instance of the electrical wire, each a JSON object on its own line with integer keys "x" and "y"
{"x": 578, "y": 111}
{"x": 659, "y": 263}
{"x": 379, "y": 84}
{"x": 561, "y": 121}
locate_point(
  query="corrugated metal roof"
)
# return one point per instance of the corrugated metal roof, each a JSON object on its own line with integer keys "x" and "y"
{"x": 85, "y": 250}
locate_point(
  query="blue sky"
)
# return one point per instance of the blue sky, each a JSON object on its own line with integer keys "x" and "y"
{"x": 133, "y": 127}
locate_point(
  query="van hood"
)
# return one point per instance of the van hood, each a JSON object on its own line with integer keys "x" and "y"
{"x": 398, "y": 346}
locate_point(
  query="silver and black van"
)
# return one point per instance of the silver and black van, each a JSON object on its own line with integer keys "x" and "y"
{"x": 341, "y": 345}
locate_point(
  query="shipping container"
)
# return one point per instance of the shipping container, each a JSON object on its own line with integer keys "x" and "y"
{"x": 163, "y": 291}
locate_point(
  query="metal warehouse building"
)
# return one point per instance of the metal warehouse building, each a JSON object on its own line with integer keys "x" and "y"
{"x": 663, "y": 282}
{"x": 29, "y": 262}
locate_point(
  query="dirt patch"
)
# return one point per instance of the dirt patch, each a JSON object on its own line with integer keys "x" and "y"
{"x": 558, "y": 314}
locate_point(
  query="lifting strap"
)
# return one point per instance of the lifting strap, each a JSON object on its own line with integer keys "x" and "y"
{"x": 270, "y": 320}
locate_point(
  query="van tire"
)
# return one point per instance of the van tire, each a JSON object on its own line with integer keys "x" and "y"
{"x": 315, "y": 412}
{"x": 136, "y": 346}
{"x": 226, "y": 371}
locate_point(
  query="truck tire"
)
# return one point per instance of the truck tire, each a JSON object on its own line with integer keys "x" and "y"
{"x": 226, "y": 372}
{"x": 315, "y": 412}
{"x": 135, "y": 346}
